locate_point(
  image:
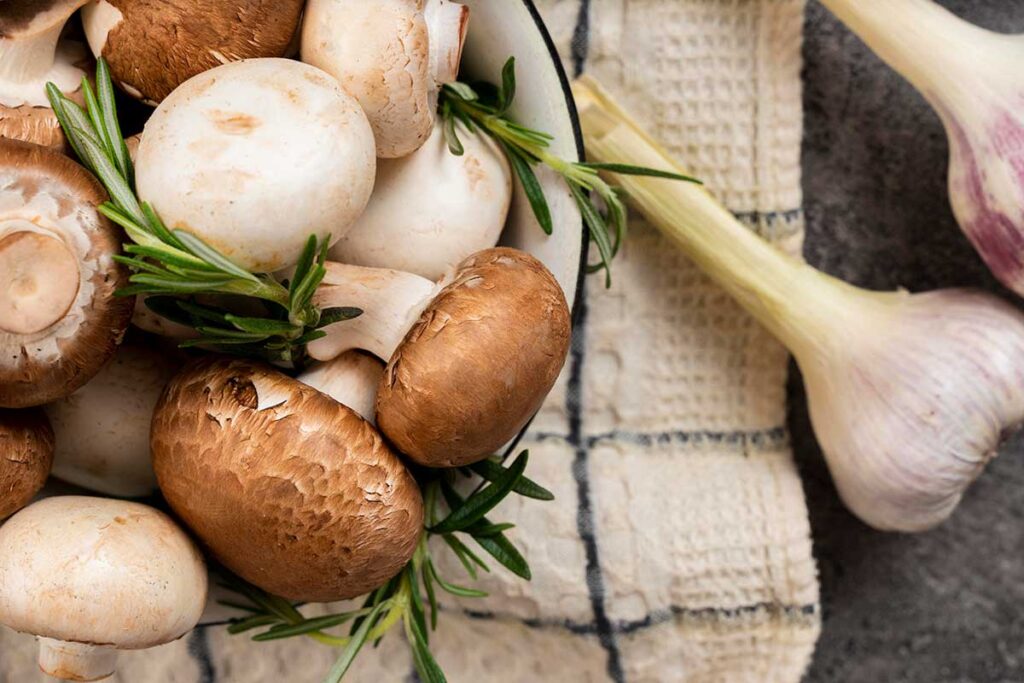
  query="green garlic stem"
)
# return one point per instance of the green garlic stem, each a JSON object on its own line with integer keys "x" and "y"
{"x": 795, "y": 302}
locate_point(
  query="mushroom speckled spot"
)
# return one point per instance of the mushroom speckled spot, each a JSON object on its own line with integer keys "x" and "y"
{"x": 678, "y": 546}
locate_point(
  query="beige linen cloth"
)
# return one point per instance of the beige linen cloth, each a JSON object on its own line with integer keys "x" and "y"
{"x": 678, "y": 548}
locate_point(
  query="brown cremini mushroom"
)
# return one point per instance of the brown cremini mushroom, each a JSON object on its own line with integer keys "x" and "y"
{"x": 59, "y": 318}
{"x": 391, "y": 55}
{"x": 288, "y": 488}
{"x": 26, "y": 454}
{"x": 470, "y": 359}
{"x": 91, "y": 576}
{"x": 153, "y": 46}
{"x": 31, "y": 55}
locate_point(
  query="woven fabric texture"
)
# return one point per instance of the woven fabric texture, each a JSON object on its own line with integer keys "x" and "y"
{"x": 678, "y": 548}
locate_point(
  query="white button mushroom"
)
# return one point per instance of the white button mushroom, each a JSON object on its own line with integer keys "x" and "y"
{"x": 254, "y": 157}
{"x": 470, "y": 360}
{"x": 91, "y": 576}
{"x": 391, "y": 55}
{"x": 32, "y": 54}
{"x": 103, "y": 428}
{"x": 26, "y": 454}
{"x": 59, "y": 318}
{"x": 153, "y": 47}
{"x": 432, "y": 209}
{"x": 351, "y": 379}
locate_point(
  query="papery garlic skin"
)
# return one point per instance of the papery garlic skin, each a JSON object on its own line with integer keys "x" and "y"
{"x": 910, "y": 395}
{"x": 972, "y": 77}
{"x": 909, "y": 413}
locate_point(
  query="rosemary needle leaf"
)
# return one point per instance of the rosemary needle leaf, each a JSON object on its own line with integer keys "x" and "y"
{"x": 93, "y": 109}
{"x": 488, "y": 530}
{"x": 329, "y": 316}
{"x": 249, "y": 623}
{"x": 466, "y": 556}
{"x": 426, "y": 665}
{"x": 260, "y": 326}
{"x": 305, "y": 261}
{"x": 58, "y": 102}
{"x": 198, "y": 312}
{"x": 490, "y": 470}
{"x": 309, "y": 626}
{"x": 348, "y": 655}
{"x": 482, "y": 502}
{"x": 170, "y": 256}
{"x": 202, "y": 250}
{"x": 178, "y": 286}
{"x": 598, "y": 230}
{"x": 507, "y": 94}
{"x": 501, "y": 549}
{"x": 455, "y": 590}
{"x": 310, "y": 336}
{"x": 531, "y": 187}
{"x": 108, "y": 108}
{"x": 451, "y": 137}
{"x": 170, "y": 308}
{"x": 627, "y": 169}
{"x": 159, "y": 229}
{"x": 427, "y": 571}
{"x": 463, "y": 91}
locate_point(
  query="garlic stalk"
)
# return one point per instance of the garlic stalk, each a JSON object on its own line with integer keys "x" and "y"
{"x": 972, "y": 78}
{"x": 909, "y": 394}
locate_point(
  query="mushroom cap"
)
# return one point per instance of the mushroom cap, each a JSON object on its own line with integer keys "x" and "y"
{"x": 478, "y": 363}
{"x": 26, "y": 453}
{"x": 48, "y": 199}
{"x": 254, "y": 157}
{"x": 289, "y": 489}
{"x": 103, "y": 428}
{"x": 153, "y": 46}
{"x": 380, "y": 53}
{"x": 99, "y": 571}
{"x": 432, "y": 209}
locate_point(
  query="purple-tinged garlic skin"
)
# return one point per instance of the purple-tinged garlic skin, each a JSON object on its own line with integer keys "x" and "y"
{"x": 909, "y": 414}
{"x": 972, "y": 77}
{"x": 986, "y": 189}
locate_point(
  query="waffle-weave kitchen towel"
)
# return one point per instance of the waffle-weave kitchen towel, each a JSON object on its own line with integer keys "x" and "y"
{"x": 678, "y": 548}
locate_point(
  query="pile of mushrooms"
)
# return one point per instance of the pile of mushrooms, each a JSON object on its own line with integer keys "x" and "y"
{"x": 299, "y": 480}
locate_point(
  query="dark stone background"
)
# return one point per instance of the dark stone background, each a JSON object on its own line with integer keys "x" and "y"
{"x": 947, "y": 605}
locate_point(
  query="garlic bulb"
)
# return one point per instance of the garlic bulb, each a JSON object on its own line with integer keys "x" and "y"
{"x": 909, "y": 394}
{"x": 972, "y": 77}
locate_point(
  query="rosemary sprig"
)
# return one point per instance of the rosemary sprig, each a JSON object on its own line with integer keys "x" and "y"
{"x": 175, "y": 265}
{"x": 411, "y": 596}
{"x": 485, "y": 108}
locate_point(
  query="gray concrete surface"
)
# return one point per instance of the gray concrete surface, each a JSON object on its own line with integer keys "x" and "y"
{"x": 947, "y": 605}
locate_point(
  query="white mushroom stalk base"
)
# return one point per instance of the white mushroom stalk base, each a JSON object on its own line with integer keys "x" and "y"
{"x": 39, "y": 278}
{"x": 446, "y": 25}
{"x": 76, "y": 661}
{"x": 351, "y": 379}
{"x": 27, "y": 64}
{"x": 391, "y": 302}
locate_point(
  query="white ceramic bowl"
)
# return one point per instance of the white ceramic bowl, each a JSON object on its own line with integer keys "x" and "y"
{"x": 499, "y": 29}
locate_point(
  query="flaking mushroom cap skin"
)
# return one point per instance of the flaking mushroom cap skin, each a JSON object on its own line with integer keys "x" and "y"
{"x": 26, "y": 455}
{"x": 478, "y": 363}
{"x": 153, "y": 46}
{"x": 286, "y": 487}
{"x": 48, "y": 209}
{"x": 31, "y": 55}
{"x": 91, "y": 576}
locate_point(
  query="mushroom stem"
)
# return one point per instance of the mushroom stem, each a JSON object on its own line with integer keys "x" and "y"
{"x": 446, "y": 25}
{"x": 391, "y": 302}
{"x": 351, "y": 379}
{"x": 39, "y": 278}
{"x": 76, "y": 661}
{"x": 25, "y": 62}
